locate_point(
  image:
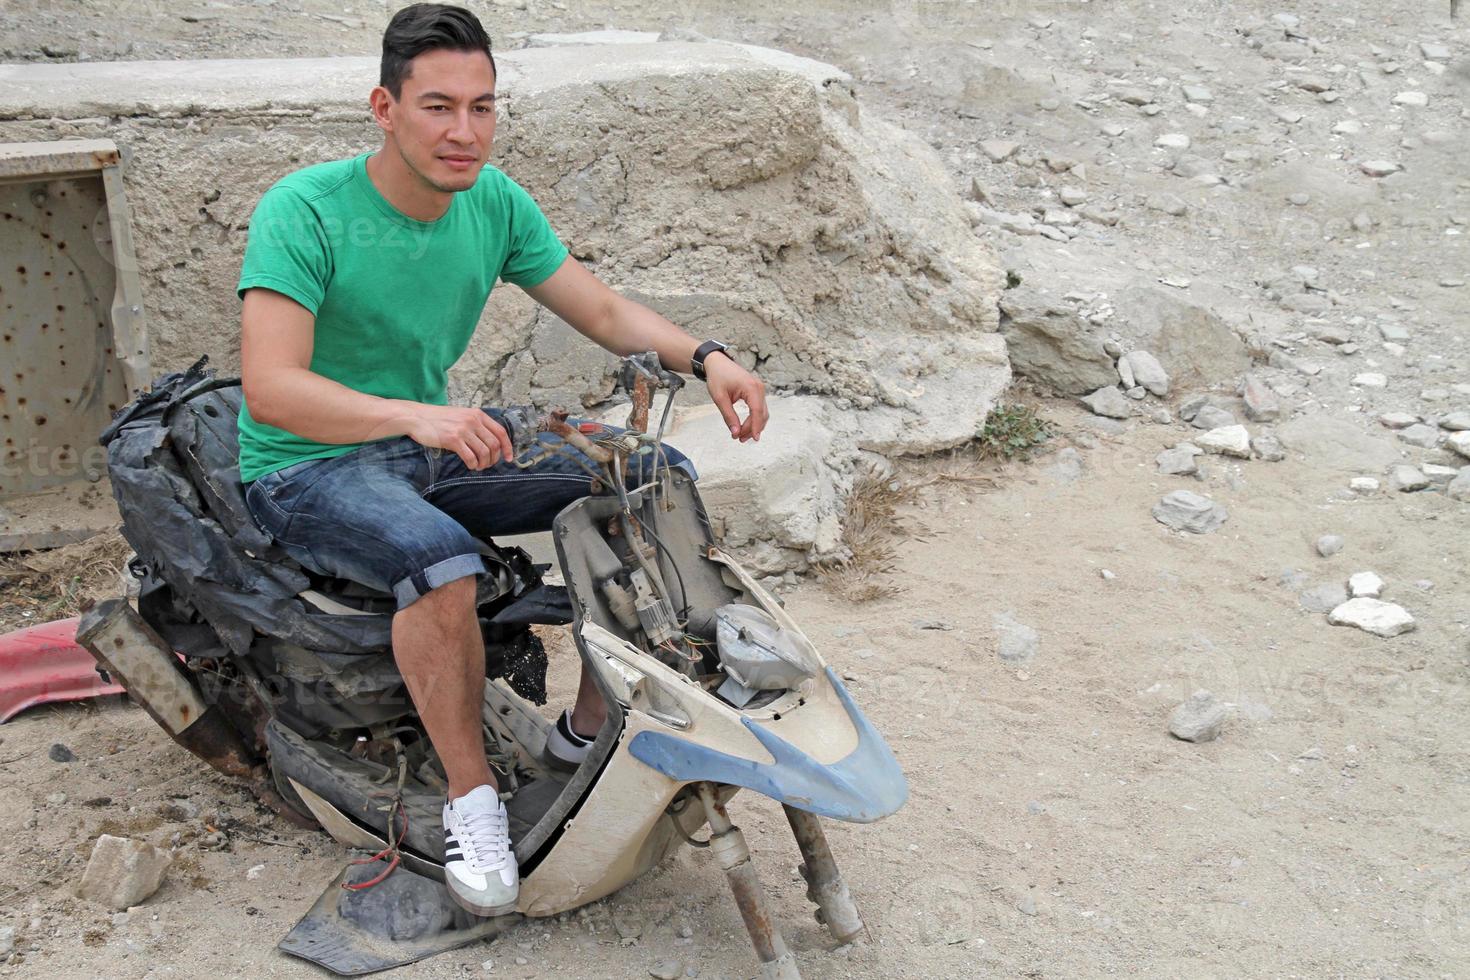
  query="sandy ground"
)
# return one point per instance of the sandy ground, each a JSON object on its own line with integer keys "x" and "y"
{"x": 1055, "y": 828}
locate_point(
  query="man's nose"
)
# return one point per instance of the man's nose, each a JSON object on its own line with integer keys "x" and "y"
{"x": 463, "y": 130}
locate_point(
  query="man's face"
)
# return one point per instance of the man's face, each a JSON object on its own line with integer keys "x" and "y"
{"x": 444, "y": 119}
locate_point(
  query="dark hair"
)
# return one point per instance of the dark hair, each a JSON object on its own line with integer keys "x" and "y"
{"x": 428, "y": 27}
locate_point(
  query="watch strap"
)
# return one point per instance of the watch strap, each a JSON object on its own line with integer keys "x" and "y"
{"x": 701, "y": 352}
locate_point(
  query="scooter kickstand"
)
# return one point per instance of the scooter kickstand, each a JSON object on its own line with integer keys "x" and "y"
{"x": 728, "y": 845}
{"x": 825, "y": 886}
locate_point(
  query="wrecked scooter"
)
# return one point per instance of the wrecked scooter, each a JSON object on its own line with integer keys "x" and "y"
{"x": 286, "y": 680}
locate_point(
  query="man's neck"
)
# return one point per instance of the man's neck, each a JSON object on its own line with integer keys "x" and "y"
{"x": 403, "y": 188}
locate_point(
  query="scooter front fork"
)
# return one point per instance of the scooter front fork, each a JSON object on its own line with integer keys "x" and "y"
{"x": 825, "y": 887}
{"x": 729, "y": 848}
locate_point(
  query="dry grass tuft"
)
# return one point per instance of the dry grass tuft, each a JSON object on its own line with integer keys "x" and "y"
{"x": 869, "y": 531}
{"x": 55, "y": 584}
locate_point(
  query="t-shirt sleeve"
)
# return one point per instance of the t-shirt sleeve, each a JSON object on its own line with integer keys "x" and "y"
{"x": 535, "y": 252}
{"x": 287, "y": 250}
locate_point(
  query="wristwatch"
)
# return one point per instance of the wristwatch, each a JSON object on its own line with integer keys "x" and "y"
{"x": 705, "y": 350}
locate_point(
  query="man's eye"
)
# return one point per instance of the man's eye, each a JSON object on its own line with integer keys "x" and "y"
{"x": 436, "y": 108}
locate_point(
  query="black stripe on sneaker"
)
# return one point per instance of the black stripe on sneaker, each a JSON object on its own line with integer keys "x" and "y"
{"x": 564, "y": 725}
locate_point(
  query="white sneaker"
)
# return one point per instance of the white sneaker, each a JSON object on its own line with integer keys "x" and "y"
{"x": 565, "y": 749}
{"x": 479, "y": 866}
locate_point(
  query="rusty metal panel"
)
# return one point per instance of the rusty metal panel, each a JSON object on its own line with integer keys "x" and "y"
{"x": 72, "y": 339}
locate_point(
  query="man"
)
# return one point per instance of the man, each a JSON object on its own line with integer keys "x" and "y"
{"x": 362, "y": 284}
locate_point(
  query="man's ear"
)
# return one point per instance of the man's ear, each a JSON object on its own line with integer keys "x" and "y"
{"x": 382, "y": 101}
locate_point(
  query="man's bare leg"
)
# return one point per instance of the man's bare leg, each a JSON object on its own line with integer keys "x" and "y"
{"x": 589, "y": 711}
{"x": 441, "y": 655}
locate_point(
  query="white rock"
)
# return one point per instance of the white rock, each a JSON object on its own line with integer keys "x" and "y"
{"x": 1421, "y": 435}
{"x": 1370, "y": 379}
{"x": 1439, "y": 476}
{"x": 1363, "y": 484}
{"x": 1348, "y": 127}
{"x": 1459, "y": 487}
{"x": 1415, "y": 99}
{"x": 1072, "y": 196}
{"x": 1172, "y": 141}
{"x": 998, "y": 150}
{"x": 1460, "y": 443}
{"x": 1406, "y": 479}
{"x": 122, "y": 872}
{"x": 1379, "y": 168}
{"x": 1434, "y": 52}
{"x": 1456, "y": 422}
{"x": 1329, "y": 545}
{"x": 1148, "y": 372}
{"x": 1199, "y": 719}
{"x": 1361, "y": 584}
{"x": 1372, "y": 616}
{"x": 1198, "y": 93}
{"x": 1397, "y": 420}
{"x": 1231, "y": 440}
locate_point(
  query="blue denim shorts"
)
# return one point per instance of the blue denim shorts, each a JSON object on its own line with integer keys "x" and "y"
{"x": 404, "y": 518}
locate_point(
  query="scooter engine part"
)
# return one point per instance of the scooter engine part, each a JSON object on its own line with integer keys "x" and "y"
{"x": 657, "y": 619}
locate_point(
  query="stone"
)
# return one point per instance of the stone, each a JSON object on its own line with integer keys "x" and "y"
{"x": 1198, "y": 93}
{"x": 1267, "y": 447}
{"x": 1379, "y": 168}
{"x": 1374, "y": 616}
{"x": 1456, "y": 422}
{"x": 1397, "y": 420}
{"x": 1362, "y": 584}
{"x": 1329, "y": 333}
{"x": 7, "y": 940}
{"x": 1407, "y": 479}
{"x": 1323, "y": 598}
{"x": 667, "y": 970}
{"x": 1109, "y": 402}
{"x": 1017, "y": 642}
{"x": 1363, "y": 484}
{"x": 1338, "y": 444}
{"x": 1147, "y": 371}
{"x": 1211, "y": 417}
{"x": 1459, "y": 487}
{"x": 1459, "y": 442}
{"x": 1230, "y": 440}
{"x": 60, "y": 753}
{"x": 1112, "y": 129}
{"x": 1348, "y": 127}
{"x": 1306, "y": 302}
{"x": 1072, "y": 196}
{"x": 1299, "y": 198}
{"x": 1133, "y": 95}
{"x": 1172, "y": 141}
{"x": 1414, "y": 99}
{"x": 1178, "y": 461}
{"x": 1433, "y": 51}
{"x": 1184, "y": 510}
{"x": 628, "y": 927}
{"x": 1200, "y": 719}
{"x": 1393, "y": 332}
{"x": 1167, "y": 203}
{"x": 998, "y": 150}
{"x": 1421, "y": 435}
{"x": 122, "y": 872}
{"x": 1289, "y": 116}
{"x": 1049, "y": 343}
{"x": 1313, "y": 83}
{"x": 1439, "y": 476}
{"x": 1261, "y": 404}
{"x": 1329, "y": 545}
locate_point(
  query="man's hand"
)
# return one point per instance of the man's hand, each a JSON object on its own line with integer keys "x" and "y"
{"x": 730, "y": 383}
{"x": 469, "y": 433}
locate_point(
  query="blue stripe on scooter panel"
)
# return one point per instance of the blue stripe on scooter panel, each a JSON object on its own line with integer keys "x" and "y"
{"x": 865, "y": 786}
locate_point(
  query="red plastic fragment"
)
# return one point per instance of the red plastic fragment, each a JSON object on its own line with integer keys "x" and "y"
{"x": 44, "y": 664}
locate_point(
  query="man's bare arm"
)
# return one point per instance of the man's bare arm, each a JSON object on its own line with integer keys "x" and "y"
{"x": 282, "y": 390}
{"x": 624, "y": 327}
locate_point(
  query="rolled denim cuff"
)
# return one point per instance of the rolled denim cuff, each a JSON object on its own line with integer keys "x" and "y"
{"x": 413, "y": 588}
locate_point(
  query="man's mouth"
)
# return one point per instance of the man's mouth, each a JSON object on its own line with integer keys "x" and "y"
{"x": 459, "y": 161}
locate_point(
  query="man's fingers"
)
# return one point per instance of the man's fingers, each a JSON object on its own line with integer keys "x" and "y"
{"x": 463, "y": 451}
{"x": 502, "y": 439}
{"x": 727, "y": 410}
{"x": 484, "y": 453}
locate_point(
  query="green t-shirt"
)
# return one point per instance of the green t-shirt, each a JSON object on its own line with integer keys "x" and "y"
{"x": 395, "y": 299}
